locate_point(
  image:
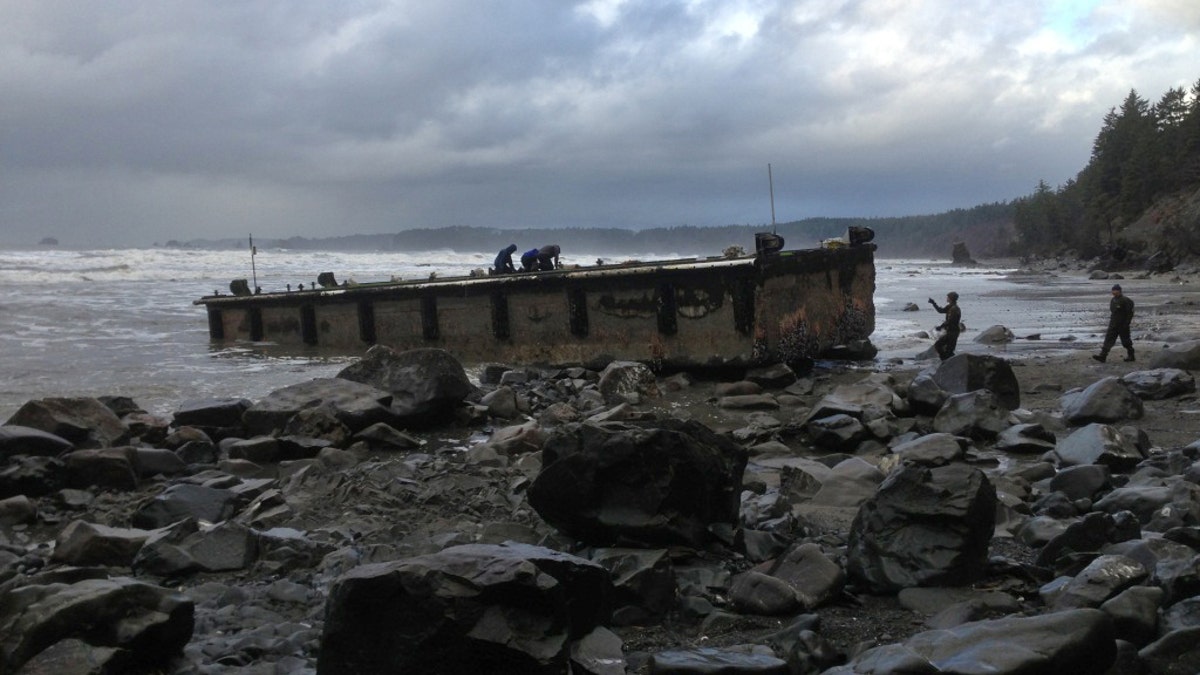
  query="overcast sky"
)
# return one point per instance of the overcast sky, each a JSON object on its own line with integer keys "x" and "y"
{"x": 133, "y": 122}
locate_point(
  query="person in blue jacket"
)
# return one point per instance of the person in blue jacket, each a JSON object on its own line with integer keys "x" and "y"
{"x": 504, "y": 263}
{"x": 529, "y": 260}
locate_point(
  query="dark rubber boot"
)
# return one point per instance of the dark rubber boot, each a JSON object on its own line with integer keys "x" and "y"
{"x": 1130, "y": 357}
{"x": 1099, "y": 357}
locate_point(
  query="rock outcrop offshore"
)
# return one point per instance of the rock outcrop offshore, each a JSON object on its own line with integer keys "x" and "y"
{"x": 402, "y": 518}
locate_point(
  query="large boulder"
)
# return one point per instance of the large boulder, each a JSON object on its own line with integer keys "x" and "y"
{"x": 427, "y": 385}
{"x": 85, "y": 422}
{"x": 936, "y": 449}
{"x": 1103, "y": 579}
{"x": 106, "y": 468}
{"x": 848, "y": 484}
{"x": 856, "y": 400}
{"x": 837, "y": 432}
{"x": 1029, "y": 439}
{"x": 511, "y": 608}
{"x": 1072, "y": 641}
{"x": 182, "y": 501}
{"x": 131, "y": 625}
{"x": 654, "y": 483}
{"x": 978, "y": 414}
{"x": 924, "y": 527}
{"x": 21, "y": 440}
{"x": 1184, "y": 356}
{"x": 31, "y": 476}
{"x": 643, "y": 580}
{"x": 354, "y": 404}
{"x": 82, "y": 543}
{"x": 1098, "y": 444}
{"x": 1160, "y": 383}
{"x": 995, "y": 335}
{"x": 962, "y": 373}
{"x": 1176, "y": 652}
{"x": 211, "y": 412}
{"x": 1086, "y": 535}
{"x": 627, "y": 382}
{"x": 1107, "y": 400}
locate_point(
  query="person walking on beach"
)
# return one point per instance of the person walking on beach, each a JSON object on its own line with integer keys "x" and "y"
{"x": 1120, "y": 315}
{"x": 504, "y": 263}
{"x": 946, "y": 344}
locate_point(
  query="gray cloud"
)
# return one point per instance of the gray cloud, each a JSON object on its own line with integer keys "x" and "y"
{"x": 133, "y": 122}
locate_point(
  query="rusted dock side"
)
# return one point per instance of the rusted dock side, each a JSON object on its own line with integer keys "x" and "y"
{"x": 784, "y": 306}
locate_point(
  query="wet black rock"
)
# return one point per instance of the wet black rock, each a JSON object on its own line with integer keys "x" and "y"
{"x": 651, "y": 483}
{"x": 16, "y": 439}
{"x": 354, "y": 404}
{"x": 477, "y": 608}
{"x": 427, "y": 384}
{"x": 1160, "y": 383}
{"x": 84, "y": 422}
{"x": 962, "y": 373}
{"x": 211, "y": 412}
{"x": 1108, "y": 400}
{"x": 130, "y": 622}
{"x": 924, "y": 527}
{"x": 1075, "y": 641}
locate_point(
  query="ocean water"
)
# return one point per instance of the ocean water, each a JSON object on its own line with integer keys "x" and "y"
{"x": 122, "y": 322}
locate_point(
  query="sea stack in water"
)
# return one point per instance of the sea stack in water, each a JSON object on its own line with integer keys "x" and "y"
{"x": 960, "y": 255}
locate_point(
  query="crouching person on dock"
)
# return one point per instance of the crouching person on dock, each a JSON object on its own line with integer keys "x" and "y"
{"x": 547, "y": 257}
{"x": 947, "y": 343}
{"x": 504, "y": 263}
{"x": 529, "y": 260}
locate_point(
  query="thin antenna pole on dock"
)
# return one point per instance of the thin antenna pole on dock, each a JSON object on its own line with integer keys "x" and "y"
{"x": 771, "y": 182}
{"x": 253, "y": 269}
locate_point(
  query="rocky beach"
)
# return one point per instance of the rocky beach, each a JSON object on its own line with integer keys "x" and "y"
{"x": 1019, "y": 508}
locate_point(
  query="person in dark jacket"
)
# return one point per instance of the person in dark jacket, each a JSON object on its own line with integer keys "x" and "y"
{"x": 529, "y": 260}
{"x": 946, "y": 344}
{"x": 548, "y": 257}
{"x": 504, "y": 263}
{"x": 1120, "y": 315}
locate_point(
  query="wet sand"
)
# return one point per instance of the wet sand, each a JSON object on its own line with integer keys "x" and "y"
{"x": 1048, "y": 310}
{"x": 1069, "y": 313}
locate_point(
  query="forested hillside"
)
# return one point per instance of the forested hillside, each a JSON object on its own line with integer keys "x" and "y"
{"x": 986, "y": 230}
{"x": 1137, "y": 196}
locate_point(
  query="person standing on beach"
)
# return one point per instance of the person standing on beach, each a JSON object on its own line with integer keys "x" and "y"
{"x": 1120, "y": 315}
{"x": 946, "y": 344}
{"x": 504, "y": 263}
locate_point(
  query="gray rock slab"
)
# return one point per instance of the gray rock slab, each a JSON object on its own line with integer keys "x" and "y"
{"x": 1105, "y": 401}
{"x": 211, "y": 412}
{"x": 84, "y": 422}
{"x": 355, "y": 404}
{"x": 451, "y": 611}
{"x": 1102, "y": 579}
{"x": 152, "y": 622}
{"x": 924, "y": 527}
{"x": 1098, "y": 444}
{"x": 82, "y": 543}
{"x": 711, "y": 661}
{"x": 182, "y": 501}
{"x": 16, "y": 439}
{"x": 1077, "y": 641}
{"x": 1159, "y": 383}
